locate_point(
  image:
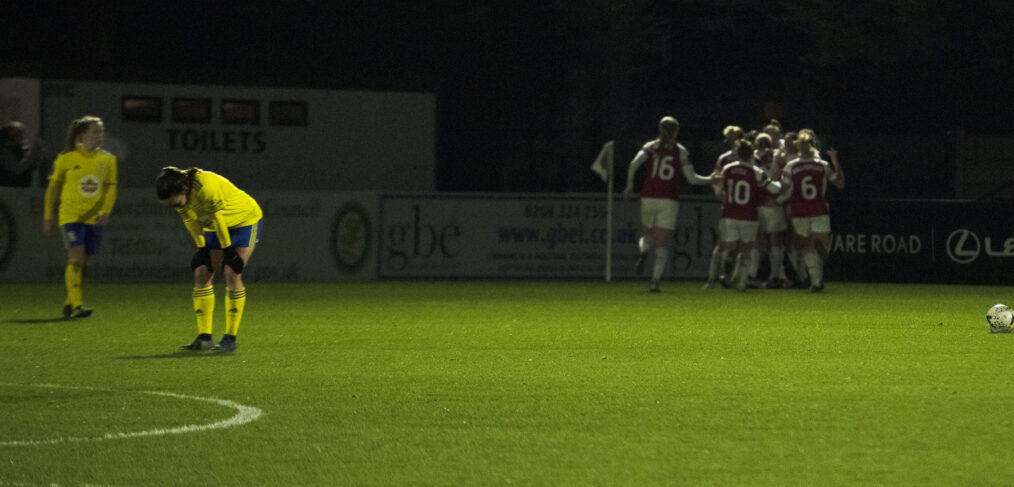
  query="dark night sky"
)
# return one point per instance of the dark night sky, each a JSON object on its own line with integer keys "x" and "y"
{"x": 528, "y": 90}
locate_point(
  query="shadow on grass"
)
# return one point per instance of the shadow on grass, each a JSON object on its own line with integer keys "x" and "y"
{"x": 31, "y": 321}
{"x": 179, "y": 354}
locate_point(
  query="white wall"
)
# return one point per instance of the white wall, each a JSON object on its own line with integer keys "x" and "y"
{"x": 355, "y": 140}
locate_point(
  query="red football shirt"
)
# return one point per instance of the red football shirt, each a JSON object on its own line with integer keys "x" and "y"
{"x": 742, "y": 190}
{"x": 808, "y": 177}
{"x": 663, "y": 170}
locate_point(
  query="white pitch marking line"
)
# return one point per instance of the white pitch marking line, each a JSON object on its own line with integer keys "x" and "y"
{"x": 244, "y": 414}
{"x": 4, "y": 483}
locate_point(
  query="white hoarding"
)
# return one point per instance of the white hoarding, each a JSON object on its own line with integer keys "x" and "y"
{"x": 529, "y": 236}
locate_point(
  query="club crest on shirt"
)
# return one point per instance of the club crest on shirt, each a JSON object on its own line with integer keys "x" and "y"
{"x": 89, "y": 186}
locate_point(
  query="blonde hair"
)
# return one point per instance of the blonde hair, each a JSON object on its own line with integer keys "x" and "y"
{"x": 806, "y": 142}
{"x": 78, "y": 127}
{"x": 731, "y": 134}
{"x": 773, "y": 129}
{"x": 667, "y": 128}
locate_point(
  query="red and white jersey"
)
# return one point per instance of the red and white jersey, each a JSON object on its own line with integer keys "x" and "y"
{"x": 782, "y": 158}
{"x": 743, "y": 185}
{"x": 725, "y": 159}
{"x": 663, "y": 170}
{"x": 807, "y": 179}
{"x": 768, "y": 162}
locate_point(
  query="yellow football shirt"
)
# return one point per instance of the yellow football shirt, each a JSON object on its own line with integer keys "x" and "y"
{"x": 84, "y": 184}
{"x": 215, "y": 204}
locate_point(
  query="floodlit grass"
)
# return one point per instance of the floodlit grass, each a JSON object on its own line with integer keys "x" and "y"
{"x": 524, "y": 383}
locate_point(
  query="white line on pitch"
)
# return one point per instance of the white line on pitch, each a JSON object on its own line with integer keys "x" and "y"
{"x": 244, "y": 414}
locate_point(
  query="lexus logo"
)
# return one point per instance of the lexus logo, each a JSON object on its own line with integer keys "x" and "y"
{"x": 963, "y": 246}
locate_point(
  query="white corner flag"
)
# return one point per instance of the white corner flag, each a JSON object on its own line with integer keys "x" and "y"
{"x": 604, "y": 162}
{"x": 603, "y": 166}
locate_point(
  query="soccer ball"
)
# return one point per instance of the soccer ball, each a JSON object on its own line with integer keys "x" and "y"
{"x": 999, "y": 318}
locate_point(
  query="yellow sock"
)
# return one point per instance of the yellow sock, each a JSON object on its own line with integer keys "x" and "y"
{"x": 72, "y": 277}
{"x": 204, "y": 308}
{"x": 235, "y": 301}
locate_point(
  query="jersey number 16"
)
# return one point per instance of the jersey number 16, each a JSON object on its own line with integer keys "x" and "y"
{"x": 662, "y": 168}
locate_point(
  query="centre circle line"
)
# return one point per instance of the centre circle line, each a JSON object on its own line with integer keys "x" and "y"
{"x": 244, "y": 414}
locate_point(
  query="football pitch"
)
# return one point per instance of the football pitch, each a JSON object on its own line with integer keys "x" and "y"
{"x": 509, "y": 383}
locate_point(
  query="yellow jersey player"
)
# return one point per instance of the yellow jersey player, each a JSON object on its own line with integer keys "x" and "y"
{"x": 225, "y": 224}
{"x": 83, "y": 184}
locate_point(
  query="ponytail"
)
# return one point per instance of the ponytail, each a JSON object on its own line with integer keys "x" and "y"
{"x": 806, "y": 142}
{"x": 744, "y": 149}
{"x": 173, "y": 181}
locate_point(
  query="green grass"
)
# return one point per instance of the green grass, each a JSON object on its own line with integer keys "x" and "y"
{"x": 523, "y": 383}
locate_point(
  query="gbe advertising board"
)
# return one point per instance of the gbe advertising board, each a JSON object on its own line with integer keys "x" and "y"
{"x": 530, "y": 236}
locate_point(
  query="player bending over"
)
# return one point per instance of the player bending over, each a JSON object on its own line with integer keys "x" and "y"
{"x": 225, "y": 223}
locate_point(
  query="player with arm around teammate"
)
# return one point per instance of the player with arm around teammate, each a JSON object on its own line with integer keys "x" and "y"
{"x": 225, "y": 223}
{"x": 742, "y": 181}
{"x": 731, "y": 135}
{"x": 786, "y": 154}
{"x": 771, "y": 215}
{"x": 667, "y": 163}
{"x": 806, "y": 178}
{"x": 83, "y": 184}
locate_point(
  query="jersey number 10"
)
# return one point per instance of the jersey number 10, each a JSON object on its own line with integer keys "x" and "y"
{"x": 737, "y": 192}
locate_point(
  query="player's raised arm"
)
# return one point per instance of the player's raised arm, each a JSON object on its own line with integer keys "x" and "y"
{"x": 838, "y": 178}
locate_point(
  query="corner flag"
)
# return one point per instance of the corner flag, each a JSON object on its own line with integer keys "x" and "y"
{"x": 603, "y": 166}
{"x": 604, "y": 162}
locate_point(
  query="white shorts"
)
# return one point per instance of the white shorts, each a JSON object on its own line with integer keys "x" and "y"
{"x": 732, "y": 230}
{"x": 659, "y": 212}
{"x": 805, "y": 227}
{"x": 772, "y": 219}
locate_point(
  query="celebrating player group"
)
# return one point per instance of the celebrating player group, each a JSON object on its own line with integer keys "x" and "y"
{"x": 772, "y": 188}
